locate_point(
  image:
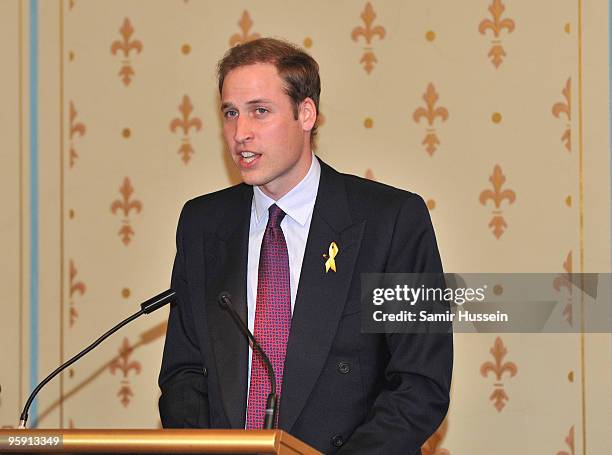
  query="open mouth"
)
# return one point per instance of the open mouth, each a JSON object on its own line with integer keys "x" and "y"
{"x": 248, "y": 158}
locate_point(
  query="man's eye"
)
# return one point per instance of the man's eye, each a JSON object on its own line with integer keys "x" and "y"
{"x": 261, "y": 111}
{"x": 230, "y": 114}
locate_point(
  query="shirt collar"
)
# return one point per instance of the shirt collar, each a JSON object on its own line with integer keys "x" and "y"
{"x": 298, "y": 203}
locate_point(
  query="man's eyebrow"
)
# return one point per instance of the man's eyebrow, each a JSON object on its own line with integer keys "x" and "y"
{"x": 260, "y": 101}
{"x": 227, "y": 104}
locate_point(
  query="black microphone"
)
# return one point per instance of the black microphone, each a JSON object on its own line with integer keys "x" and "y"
{"x": 146, "y": 307}
{"x": 225, "y": 302}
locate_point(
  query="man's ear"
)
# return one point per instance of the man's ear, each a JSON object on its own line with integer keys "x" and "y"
{"x": 307, "y": 114}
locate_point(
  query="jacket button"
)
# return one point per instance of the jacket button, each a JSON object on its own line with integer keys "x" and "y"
{"x": 337, "y": 440}
{"x": 344, "y": 367}
{"x": 205, "y": 372}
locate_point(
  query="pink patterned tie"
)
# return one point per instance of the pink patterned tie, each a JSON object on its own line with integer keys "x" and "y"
{"x": 272, "y": 316}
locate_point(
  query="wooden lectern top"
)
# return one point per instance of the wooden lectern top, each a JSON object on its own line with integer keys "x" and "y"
{"x": 152, "y": 441}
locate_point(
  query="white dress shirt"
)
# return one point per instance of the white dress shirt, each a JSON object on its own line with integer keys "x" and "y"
{"x": 298, "y": 205}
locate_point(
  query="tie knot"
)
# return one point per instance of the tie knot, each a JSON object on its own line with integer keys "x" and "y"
{"x": 275, "y": 216}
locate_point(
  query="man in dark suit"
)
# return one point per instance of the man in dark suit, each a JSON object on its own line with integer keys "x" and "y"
{"x": 290, "y": 245}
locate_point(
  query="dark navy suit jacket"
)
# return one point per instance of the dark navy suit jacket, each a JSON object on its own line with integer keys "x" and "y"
{"x": 343, "y": 391}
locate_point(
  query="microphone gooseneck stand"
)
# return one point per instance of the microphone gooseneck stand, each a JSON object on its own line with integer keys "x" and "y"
{"x": 146, "y": 307}
{"x": 225, "y": 302}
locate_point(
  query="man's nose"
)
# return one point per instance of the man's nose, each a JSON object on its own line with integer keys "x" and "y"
{"x": 244, "y": 130}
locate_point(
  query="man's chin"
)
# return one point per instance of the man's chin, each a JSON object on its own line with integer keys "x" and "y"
{"x": 250, "y": 178}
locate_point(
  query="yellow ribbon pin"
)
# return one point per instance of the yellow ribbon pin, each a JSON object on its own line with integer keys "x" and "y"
{"x": 330, "y": 263}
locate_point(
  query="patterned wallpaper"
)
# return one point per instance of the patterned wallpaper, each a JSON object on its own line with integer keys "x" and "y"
{"x": 495, "y": 111}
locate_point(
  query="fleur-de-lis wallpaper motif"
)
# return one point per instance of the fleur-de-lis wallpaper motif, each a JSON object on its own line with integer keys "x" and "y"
{"x": 563, "y": 281}
{"x": 432, "y": 445}
{"x": 123, "y": 364}
{"x": 368, "y": 32}
{"x": 245, "y": 24}
{"x": 497, "y": 195}
{"x": 75, "y": 128}
{"x": 497, "y": 52}
{"x": 430, "y": 112}
{"x": 565, "y": 108}
{"x": 498, "y": 351}
{"x": 76, "y": 287}
{"x": 320, "y": 120}
{"x": 126, "y": 45}
{"x": 185, "y": 123}
{"x": 126, "y": 205}
{"x": 569, "y": 440}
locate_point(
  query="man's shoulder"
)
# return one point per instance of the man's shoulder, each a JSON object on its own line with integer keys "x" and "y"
{"x": 210, "y": 201}
{"x": 377, "y": 189}
{"x": 207, "y": 210}
{"x": 366, "y": 194}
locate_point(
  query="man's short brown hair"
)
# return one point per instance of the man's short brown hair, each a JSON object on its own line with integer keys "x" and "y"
{"x": 298, "y": 70}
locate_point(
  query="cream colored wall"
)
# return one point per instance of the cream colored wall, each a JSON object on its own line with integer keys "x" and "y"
{"x": 100, "y": 135}
{"x": 11, "y": 165}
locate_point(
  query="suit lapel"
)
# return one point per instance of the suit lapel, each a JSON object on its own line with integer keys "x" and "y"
{"x": 321, "y": 295}
{"x": 226, "y": 267}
